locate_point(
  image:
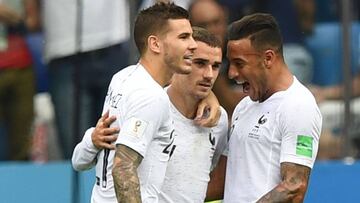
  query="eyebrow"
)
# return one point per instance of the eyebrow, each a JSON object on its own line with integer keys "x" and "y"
{"x": 200, "y": 60}
{"x": 206, "y": 61}
{"x": 239, "y": 60}
{"x": 184, "y": 34}
{"x": 217, "y": 63}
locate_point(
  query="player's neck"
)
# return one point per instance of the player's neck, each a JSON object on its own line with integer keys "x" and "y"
{"x": 158, "y": 72}
{"x": 283, "y": 78}
{"x": 184, "y": 103}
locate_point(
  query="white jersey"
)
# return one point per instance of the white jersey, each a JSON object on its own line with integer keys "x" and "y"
{"x": 197, "y": 150}
{"x": 142, "y": 109}
{"x": 284, "y": 128}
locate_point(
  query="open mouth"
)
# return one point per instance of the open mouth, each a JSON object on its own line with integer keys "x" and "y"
{"x": 245, "y": 85}
{"x": 188, "y": 58}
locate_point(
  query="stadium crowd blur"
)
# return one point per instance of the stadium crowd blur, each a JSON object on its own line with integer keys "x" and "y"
{"x": 57, "y": 58}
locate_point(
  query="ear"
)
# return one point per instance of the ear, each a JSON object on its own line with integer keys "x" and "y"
{"x": 154, "y": 43}
{"x": 269, "y": 58}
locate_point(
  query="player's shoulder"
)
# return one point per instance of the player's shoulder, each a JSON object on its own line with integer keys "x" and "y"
{"x": 149, "y": 97}
{"x": 136, "y": 81}
{"x": 125, "y": 72}
{"x": 300, "y": 102}
{"x": 299, "y": 97}
{"x": 243, "y": 105}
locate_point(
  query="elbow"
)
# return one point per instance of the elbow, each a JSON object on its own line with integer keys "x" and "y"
{"x": 79, "y": 165}
{"x": 76, "y": 166}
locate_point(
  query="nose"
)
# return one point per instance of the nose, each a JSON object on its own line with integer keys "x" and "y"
{"x": 193, "y": 44}
{"x": 233, "y": 73}
{"x": 209, "y": 73}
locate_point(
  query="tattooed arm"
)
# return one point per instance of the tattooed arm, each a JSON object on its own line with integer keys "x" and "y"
{"x": 126, "y": 180}
{"x": 293, "y": 185}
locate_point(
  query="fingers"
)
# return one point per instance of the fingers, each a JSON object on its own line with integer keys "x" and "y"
{"x": 105, "y": 121}
{"x": 200, "y": 112}
{"x": 107, "y": 142}
{"x": 212, "y": 118}
{"x": 109, "y": 146}
{"x": 109, "y": 138}
{"x": 109, "y": 131}
{"x": 102, "y": 141}
{"x": 103, "y": 135}
{"x": 108, "y": 121}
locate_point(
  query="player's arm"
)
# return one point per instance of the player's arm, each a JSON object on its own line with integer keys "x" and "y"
{"x": 208, "y": 112}
{"x": 94, "y": 140}
{"x": 126, "y": 180}
{"x": 293, "y": 185}
{"x": 215, "y": 190}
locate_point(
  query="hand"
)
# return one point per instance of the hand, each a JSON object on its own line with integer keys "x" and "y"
{"x": 103, "y": 135}
{"x": 208, "y": 112}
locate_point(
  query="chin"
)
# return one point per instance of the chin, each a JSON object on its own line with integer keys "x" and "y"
{"x": 202, "y": 95}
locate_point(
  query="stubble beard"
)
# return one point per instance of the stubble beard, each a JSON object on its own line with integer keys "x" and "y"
{"x": 174, "y": 64}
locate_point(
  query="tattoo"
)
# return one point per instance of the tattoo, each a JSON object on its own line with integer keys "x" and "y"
{"x": 293, "y": 185}
{"x": 126, "y": 180}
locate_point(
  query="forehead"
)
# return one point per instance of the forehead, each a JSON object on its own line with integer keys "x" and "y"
{"x": 178, "y": 26}
{"x": 207, "y": 52}
{"x": 239, "y": 48}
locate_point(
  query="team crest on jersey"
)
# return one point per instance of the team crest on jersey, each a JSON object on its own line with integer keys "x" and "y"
{"x": 255, "y": 132}
{"x": 261, "y": 121}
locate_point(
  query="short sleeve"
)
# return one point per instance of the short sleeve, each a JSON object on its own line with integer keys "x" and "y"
{"x": 300, "y": 127}
{"x": 146, "y": 111}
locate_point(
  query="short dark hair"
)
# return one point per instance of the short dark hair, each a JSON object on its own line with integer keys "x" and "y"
{"x": 203, "y": 35}
{"x": 153, "y": 20}
{"x": 262, "y": 30}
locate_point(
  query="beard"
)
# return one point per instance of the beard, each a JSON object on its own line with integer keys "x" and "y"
{"x": 174, "y": 64}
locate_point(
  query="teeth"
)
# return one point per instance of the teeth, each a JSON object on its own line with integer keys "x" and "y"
{"x": 240, "y": 82}
{"x": 188, "y": 57}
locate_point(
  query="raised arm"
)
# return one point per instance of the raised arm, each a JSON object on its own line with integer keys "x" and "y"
{"x": 126, "y": 180}
{"x": 293, "y": 185}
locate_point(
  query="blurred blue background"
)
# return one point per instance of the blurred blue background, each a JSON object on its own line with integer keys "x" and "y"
{"x": 331, "y": 181}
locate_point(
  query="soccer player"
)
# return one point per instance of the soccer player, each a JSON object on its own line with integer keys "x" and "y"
{"x": 275, "y": 129}
{"x": 163, "y": 36}
{"x": 196, "y": 149}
